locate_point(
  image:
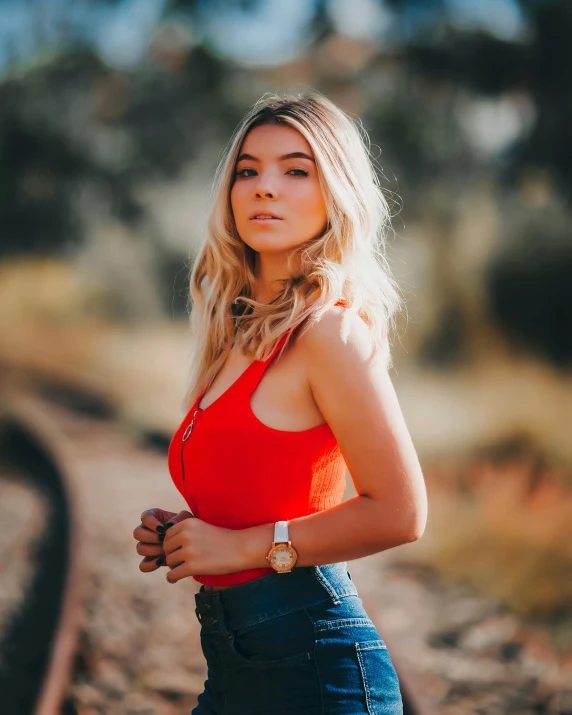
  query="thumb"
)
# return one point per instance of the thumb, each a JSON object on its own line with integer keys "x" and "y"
{"x": 181, "y": 516}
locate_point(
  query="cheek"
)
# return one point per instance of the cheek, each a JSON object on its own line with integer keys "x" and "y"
{"x": 236, "y": 201}
{"x": 313, "y": 205}
{"x": 321, "y": 207}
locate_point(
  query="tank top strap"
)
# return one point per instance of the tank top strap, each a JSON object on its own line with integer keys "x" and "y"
{"x": 254, "y": 375}
{"x": 248, "y": 382}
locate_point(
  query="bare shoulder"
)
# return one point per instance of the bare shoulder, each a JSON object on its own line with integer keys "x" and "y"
{"x": 355, "y": 395}
{"x": 353, "y": 391}
{"x": 349, "y": 382}
{"x": 339, "y": 336}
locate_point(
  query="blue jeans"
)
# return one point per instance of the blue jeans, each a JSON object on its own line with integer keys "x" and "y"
{"x": 298, "y": 642}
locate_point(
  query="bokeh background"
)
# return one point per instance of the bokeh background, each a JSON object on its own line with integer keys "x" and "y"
{"x": 113, "y": 114}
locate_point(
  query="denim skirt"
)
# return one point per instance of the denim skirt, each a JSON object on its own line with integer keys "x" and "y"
{"x": 297, "y": 642}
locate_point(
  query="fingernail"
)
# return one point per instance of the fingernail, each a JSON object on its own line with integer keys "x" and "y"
{"x": 161, "y": 537}
{"x": 168, "y": 525}
{"x": 150, "y": 558}
{"x": 160, "y": 528}
{"x": 167, "y": 578}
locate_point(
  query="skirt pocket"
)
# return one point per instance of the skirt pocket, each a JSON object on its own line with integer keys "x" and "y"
{"x": 284, "y": 640}
{"x": 355, "y": 671}
{"x": 380, "y": 682}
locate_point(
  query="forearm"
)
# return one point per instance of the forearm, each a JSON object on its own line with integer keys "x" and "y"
{"x": 358, "y": 527}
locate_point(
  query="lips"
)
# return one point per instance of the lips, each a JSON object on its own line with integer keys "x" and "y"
{"x": 265, "y": 216}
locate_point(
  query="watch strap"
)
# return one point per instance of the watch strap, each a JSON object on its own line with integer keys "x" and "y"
{"x": 281, "y": 532}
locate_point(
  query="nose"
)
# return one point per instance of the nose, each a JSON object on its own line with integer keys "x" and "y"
{"x": 265, "y": 188}
{"x": 265, "y": 194}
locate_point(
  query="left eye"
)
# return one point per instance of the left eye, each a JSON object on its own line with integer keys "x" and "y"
{"x": 302, "y": 172}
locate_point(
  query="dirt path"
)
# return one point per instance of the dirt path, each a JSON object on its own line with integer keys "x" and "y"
{"x": 140, "y": 652}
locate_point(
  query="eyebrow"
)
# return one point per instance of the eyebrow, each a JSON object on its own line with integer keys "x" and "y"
{"x": 292, "y": 155}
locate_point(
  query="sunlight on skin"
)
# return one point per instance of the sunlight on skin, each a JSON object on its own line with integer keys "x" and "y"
{"x": 276, "y": 174}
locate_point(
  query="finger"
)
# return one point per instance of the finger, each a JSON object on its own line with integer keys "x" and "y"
{"x": 172, "y": 543}
{"x": 151, "y": 518}
{"x": 163, "y": 515}
{"x": 179, "y": 525}
{"x": 142, "y": 533}
{"x": 176, "y": 574}
{"x": 153, "y": 550}
{"x": 146, "y": 566}
{"x": 175, "y": 559}
{"x": 152, "y": 563}
{"x": 177, "y": 518}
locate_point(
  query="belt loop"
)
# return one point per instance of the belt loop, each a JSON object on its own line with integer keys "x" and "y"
{"x": 221, "y": 615}
{"x": 323, "y": 579}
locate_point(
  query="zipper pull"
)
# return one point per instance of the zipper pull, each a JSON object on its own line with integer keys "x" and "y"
{"x": 187, "y": 432}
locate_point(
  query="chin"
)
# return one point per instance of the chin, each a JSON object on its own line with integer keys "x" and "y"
{"x": 268, "y": 244}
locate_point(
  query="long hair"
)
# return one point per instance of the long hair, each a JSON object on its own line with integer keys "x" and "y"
{"x": 346, "y": 262}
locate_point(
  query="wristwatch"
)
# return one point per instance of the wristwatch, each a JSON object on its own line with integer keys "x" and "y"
{"x": 282, "y": 556}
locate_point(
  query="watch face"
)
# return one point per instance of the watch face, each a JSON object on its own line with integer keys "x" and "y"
{"x": 282, "y": 558}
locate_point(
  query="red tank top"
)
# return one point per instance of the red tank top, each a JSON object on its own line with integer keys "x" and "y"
{"x": 235, "y": 472}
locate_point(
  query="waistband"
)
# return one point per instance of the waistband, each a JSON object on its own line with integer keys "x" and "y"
{"x": 273, "y": 595}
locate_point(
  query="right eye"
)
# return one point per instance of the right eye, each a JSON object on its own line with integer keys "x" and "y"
{"x": 241, "y": 172}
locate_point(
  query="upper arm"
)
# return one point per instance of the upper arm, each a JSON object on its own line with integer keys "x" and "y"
{"x": 356, "y": 397}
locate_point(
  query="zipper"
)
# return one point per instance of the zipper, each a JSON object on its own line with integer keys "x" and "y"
{"x": 186, "y": 434}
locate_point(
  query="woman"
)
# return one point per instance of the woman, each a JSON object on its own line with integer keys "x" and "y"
{"x": 291, "y": 286}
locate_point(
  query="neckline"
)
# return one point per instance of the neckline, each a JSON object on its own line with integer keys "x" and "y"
{"x": 243, "y": 374}
{"x": 239, "y": 378}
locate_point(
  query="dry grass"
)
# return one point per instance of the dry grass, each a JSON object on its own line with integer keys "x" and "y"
{"x": 493, "y": 438}
{"x": 503, "y": 525}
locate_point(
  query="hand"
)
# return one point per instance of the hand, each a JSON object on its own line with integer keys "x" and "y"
{"x": 193, "y": 547}
{"x": 149, "y": 535}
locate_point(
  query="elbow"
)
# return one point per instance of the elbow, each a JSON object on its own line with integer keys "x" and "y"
{"x": 408, "y": 522}
{"x": 418, "y": 509}
{"x": 414, "y": 532}
{"x": 404, "y": 531}
{"x": 414, "y": 528}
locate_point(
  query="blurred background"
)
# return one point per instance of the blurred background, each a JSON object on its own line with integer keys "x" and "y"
{"x": 113, "y": 114}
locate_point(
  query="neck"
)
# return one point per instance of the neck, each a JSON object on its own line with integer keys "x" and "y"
{"x": 270, "y": 271}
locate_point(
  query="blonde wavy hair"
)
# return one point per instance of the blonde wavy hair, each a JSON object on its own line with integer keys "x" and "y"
{"x": 346, "y": 262}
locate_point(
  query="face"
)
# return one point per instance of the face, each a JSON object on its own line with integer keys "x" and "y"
{"x": 276, "y": 197}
